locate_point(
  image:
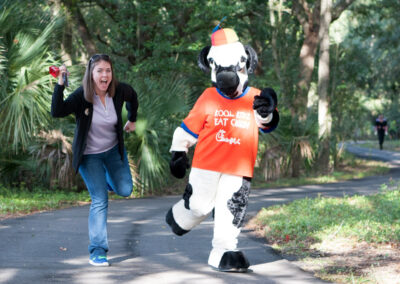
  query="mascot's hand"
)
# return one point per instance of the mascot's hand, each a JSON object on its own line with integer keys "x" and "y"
{"x": 178, "y": 164}
{"x": 266, "y": 102}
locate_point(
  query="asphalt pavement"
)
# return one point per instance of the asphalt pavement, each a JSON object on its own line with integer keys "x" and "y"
{"x": 51, "y": 247}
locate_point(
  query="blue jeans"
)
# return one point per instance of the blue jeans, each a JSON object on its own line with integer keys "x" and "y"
{"x": 101, "y": 171}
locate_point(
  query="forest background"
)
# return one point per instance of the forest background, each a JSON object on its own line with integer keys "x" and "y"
{"x": 334, "y": 65}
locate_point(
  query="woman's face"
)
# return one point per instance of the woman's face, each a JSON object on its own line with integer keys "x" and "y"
{"x": 102, "y": 76}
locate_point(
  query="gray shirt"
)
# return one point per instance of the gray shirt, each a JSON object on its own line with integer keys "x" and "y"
{"x": 102, "y": 135}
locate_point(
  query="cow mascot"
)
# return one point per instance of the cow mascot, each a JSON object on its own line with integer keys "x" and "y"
{"x": 224, "y": 122}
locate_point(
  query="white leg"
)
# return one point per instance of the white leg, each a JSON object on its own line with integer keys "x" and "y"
{"x": 197, "y": 202}
{"x": 230, "y": 206}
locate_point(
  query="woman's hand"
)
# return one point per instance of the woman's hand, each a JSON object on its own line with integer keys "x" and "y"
{"x": 130, "y": 126}
{"x": 62, "y": 70}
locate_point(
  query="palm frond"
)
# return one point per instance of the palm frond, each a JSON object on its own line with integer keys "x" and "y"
{"x": 53, "y": 153}
{"x": 29, "y": 47}
{"x": 3, "y": 64}
{"x": 162, "y": 103}
{"x": 291, "y": 139}
{"x": 25, "y": 102}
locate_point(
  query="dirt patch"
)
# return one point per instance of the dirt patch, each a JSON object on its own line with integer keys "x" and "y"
{"x": 342, "y": 260}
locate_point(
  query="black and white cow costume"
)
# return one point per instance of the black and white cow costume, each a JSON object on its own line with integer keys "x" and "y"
{"x": 224, "y": 123}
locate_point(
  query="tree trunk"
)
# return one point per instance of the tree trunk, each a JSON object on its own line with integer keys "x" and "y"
{"x": 85, "y": 33}
{"x": 82, "y": 27}
{"x": 306, "y": 67}
{"x": 66, "y": 43}
{"x": 324, "y": 116}
{"x": 309, "y": 20}
{"x": 274, "y": 46}
{"x": 297, "y": 162}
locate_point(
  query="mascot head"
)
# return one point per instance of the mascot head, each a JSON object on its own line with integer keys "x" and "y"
{"x": 229, "y": 60}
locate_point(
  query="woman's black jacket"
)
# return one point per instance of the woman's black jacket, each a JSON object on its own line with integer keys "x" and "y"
{"x": 83, "y": 110}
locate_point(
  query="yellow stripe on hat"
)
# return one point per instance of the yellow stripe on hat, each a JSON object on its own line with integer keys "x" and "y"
{"x": 223, "y": 36}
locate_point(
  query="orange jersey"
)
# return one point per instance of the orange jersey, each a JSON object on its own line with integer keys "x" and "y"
{"x": 226, "y": 130}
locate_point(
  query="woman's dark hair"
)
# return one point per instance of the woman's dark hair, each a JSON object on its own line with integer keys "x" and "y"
{"x": 87, "y": 82}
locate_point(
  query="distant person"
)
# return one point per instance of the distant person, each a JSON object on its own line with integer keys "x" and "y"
{"x": 381, "y": 129}
{"x": 98, "y": 148}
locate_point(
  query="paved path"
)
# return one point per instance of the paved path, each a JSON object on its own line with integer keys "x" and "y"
{"x": 51, "y": 247}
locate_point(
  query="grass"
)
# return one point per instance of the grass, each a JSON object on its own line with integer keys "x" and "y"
{"x": 307, "y": 221}
{"x": 334, "y": 237}
{"x": 350, "y": 167}
{"x": 19, "y": 201}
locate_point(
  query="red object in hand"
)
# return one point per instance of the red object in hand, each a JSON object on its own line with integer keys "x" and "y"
{"x": 54, "y": 71}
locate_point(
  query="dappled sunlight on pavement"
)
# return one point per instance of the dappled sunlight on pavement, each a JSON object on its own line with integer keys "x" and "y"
{"x": 51, "y": 247}
{"x": 8, "y": 274}
{"x": 142, "y": 250}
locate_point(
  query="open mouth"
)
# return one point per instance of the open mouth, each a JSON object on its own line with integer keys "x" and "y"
{"x": 104, "y": 83}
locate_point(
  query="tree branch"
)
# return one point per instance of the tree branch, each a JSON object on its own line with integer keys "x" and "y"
{"x": 106, "y": 6}
{"x": 339, "y": 7}
{"x": 81, "y": 25}
{"x": 85, "y": 33}
{"x": 316, "y": 13}
{"x": 131, "y": 58}
{"x": 302, "y": 12}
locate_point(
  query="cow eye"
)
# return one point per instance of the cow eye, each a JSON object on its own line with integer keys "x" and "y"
{"x": 241, "y": 69}
{"x": 210, "y": 61}
{"x": 243, "y": 59}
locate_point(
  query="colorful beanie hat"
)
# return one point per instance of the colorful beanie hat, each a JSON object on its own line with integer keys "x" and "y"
{"x": 223, "y": 36}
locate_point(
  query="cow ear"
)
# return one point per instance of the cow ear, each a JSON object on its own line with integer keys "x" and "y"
{"x": 202, "y": 59}
{"x": 252, "y": 59}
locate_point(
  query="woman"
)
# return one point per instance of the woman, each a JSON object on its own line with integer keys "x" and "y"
{"x": 98, "y": 147}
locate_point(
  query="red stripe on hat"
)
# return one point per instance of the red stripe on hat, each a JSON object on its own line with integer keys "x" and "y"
{"x": 223, "y": 36}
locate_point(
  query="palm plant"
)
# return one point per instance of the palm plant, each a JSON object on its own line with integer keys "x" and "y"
{"x": 162, "y": 103}
{"x": 25, "y": 97}
{"x": 292, "y": 143}
{"x": 26, "y": 85}
{"x": 53, "y": 154}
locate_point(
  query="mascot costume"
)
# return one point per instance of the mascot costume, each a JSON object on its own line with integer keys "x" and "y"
{"x": 224, "y": 123}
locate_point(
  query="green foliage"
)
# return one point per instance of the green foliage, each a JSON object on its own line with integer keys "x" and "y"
{"x": 367, "y": 67}
{"x": 293, "y": 141}
{"x": 163, "y": 101}
{"x": 24, "y": 96}
{"x": 149, "y": 40}
{"x": 381, "y": 42}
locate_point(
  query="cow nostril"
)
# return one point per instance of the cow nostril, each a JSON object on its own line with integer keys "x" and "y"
{"x": 227, "y": 79}
{"x": 226, "y": 76}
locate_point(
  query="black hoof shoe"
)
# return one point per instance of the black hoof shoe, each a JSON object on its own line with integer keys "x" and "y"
{"x": 233, "y": 261}
{"x": 169, "y": 218}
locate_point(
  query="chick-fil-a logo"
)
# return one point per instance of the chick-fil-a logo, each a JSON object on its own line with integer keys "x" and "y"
{"x": 220, "y": 137}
